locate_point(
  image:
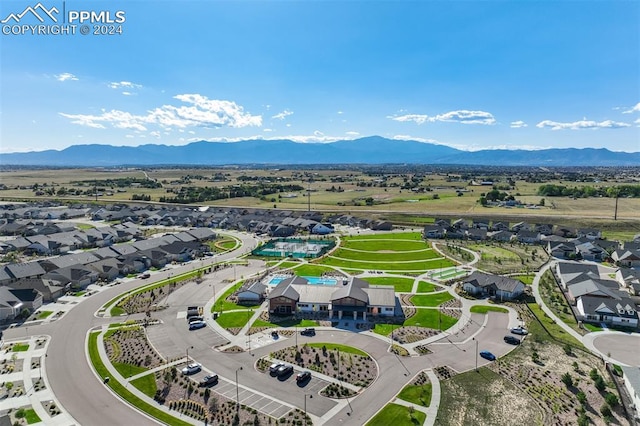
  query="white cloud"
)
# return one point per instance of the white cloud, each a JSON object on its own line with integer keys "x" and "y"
{"x": 267, "y": 130}
{"x": 353, "y": 134}
{"x": 340, "y": 112}
{"x": 635, "y": 108}
{"x": 518, "y": 124}
{"x": 66, "y": 76}
{"x": 282, "y": 115}
{"x": 460, "y": 116}
{"x": 581, "y": 124}
{"x": 129, "y": 136}
{"x": 155, "y": 134}
{"x": 200, "y": 112}
{"x": 124, "y": 85}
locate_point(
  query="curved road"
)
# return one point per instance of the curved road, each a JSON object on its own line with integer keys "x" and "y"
{"x": 69, "y": 374}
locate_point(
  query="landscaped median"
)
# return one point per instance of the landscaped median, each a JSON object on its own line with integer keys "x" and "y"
{"x": 117, "y": 387}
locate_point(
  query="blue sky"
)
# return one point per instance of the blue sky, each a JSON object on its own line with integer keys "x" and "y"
{"x": 472, "y": 75}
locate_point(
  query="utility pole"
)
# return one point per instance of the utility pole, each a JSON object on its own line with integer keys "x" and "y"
{"x": 615, "y": 213}
{"x": 309, "y": 196}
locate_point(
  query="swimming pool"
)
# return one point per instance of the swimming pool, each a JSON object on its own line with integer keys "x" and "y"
{"x": 312, "y": 280}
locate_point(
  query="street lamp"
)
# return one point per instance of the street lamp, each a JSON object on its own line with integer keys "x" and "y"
{"x": 237, "y": 391}
{"x": 476, "y": 353}
{"x": 305, "y": 406}
{"x": 188, "y": 347}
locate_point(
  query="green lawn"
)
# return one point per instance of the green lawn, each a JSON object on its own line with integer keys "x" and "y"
{"x": 401, "y": 285}
{"x": 483, "y": 309}
{"x": 435, "y": 299}
{"x": 311, "y": 270}
{"x": 431, "y": 318}
{"x": 128, "y": 370}
{"x": 222, "y": 304}
{"x": 418, "y": 266}
{"x": 592, "y": 327}
{"x": 44, "y": 314}
{"x": 341, "y": 348}
{"x": 526, "y": 279}
{"x": 80, "y": 293}
{"x": 234, "y": 319}
{"x": 387, "y": 256}
{"x": 384, "y": 244}
{"x": 491, "y": 252}
{"x": 20, "y": 347}
{"x": 118, "y": 388}
{"x": 284, "y": 265}
{"x": 116, "y": 311}
{"x": 31, "y": 417}
{"x": 388, "y": 236}
{"x": 555, "y": 331}
{"x": 420, "y": 395}
{"x": 397, "y": 415}
{"x": 426, "y": 287}
{"x": 384, "y": 329}
{"x": 146, "y": 384}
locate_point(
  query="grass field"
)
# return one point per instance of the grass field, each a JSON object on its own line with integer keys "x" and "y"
{"x": 420, "y": 395}
{"x": 429, "y": 300}
{"x": 339, "y": 347}
{"x": 417, "y": 267}
{"x": 397, "y": 415}
{"x": 311, "y": 270}
{"x": 431, "y": 318}
{"x": 401, "y": 285}
{"x": 234, "y": 319}
{"x": 483, "y": 309}
{"x": 555, "y": 331}
{"x": 128, "y": 370}
{"x": 146, "y": 384}
{"x": 426, "y": 287}
{"x": 20, "y": 347}
{"x": 44, "y": 314}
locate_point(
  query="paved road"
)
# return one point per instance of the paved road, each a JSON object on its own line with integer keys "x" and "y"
{"x": 69, "y": 374}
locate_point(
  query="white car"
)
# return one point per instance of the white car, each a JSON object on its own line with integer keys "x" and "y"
{"x": 195, "y": 325}
{"x": 191, "y": 369}
{"x": 520, "y": 330}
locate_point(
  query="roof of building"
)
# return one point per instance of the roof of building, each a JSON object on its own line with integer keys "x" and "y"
{"x": 632, "y": 375}
{"x": 624, "y": 307}
{"x": 353, "y": 289}
{"x": 381, "y": 295}
{"x": 480, "y": 279}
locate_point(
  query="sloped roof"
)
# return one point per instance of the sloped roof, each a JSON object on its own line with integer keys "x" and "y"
{"x": 353, "y": 289}
{"x": 480, "y": 279}
{"x": 285, "y": 288}
{"x": 381, "y": 295}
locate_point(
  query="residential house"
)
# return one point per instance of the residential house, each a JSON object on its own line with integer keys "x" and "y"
{"x": 569, "y": 272}
{"x": 31, "y": 299}
{"x": 629, "y": 279}
{"x": 631, "y": 378}
{"x": 561, "y": 250}
{"x": 24, "y": 270}
{"x": 77, "y": 277}
{"x": 10, "y": 305}
{"x": 595, "y": 288}
{"x": 621, "y": 312}
{"x": 433, "y": 231}
{"x": 50, "y": 290}
{"x": 108, "y": 269}
{"x": 528, "y": 237}
{"x": 626, "y": 258}
{"x": 500, "y": 235}
{"x": 502, "y": 288}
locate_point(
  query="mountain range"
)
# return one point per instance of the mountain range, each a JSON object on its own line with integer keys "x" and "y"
{"x": 369, "y": 150}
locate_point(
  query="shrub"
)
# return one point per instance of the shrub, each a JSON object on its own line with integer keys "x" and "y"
{"x": 582, "y": 398}
{"x": 611, "y": 399}
{"x": 605, "y": 410}
{"x": 600, "y": 384}
{"x": 583, "y": 420}
{"x": 567, "y": 380}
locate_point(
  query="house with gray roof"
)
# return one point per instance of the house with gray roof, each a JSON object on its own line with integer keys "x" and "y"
{"x": 253, "y": 293}
{"x": 24, "y": 270}
{"x": 50, "y": 290}
{"x": 502, "y": 288}
{"x": 629, "y": 279}
{"x": 594, "y": 287}
{"x": 352, "y": 297}
{"x": 10, "y": 304}
{"x": 618, "y": 312}
{"x": 631, "y": 378}
{"x": 627, "y": 258}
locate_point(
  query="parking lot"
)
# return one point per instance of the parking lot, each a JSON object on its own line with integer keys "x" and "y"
{"x": 256, "y": 400}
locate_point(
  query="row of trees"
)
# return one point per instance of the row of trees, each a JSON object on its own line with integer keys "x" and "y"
{"x": 193, "y": 194}
{"x": 551, "y": 190}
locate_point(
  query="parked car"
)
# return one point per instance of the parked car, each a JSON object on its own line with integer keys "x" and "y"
{"x": 273, "y": 368}
{"x": 144, "y": 276}
{"x": 194, "y": 319}
{"x": 191, "y": 369}
{"x": 209, "y": 380}
{"x": 520, "y": 330}
{"x": 512, "y": 340}
{"x": 284, "y": 370}
{"x": 303, "y": 376}
{"x": 275, "y": 335}
{"x": 196, "y": 325}
{"x": 308, "y": 332}
{"x": 487, "y": 355}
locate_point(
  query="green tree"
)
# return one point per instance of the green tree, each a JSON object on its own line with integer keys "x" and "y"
{"x": 611, "y": 399}
{"x": 567, "y": 379}
{"x": 582, "y": 398}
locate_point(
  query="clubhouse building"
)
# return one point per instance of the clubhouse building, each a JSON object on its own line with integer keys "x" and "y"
{"x": 350, "y": 298}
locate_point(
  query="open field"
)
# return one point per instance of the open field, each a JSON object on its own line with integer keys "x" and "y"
{"x": 401, "y": 285}
{"x": 333, "y": 190}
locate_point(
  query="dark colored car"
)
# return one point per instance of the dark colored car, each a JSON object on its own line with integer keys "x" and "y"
{"x": 197, "y": 324}
{"x": 487, "y": 355}
{"x": 303, "y": 376}
{"x": 512, "y": 340}
{"x": 209, "y": 380}
{"x": 308, "y": 332}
